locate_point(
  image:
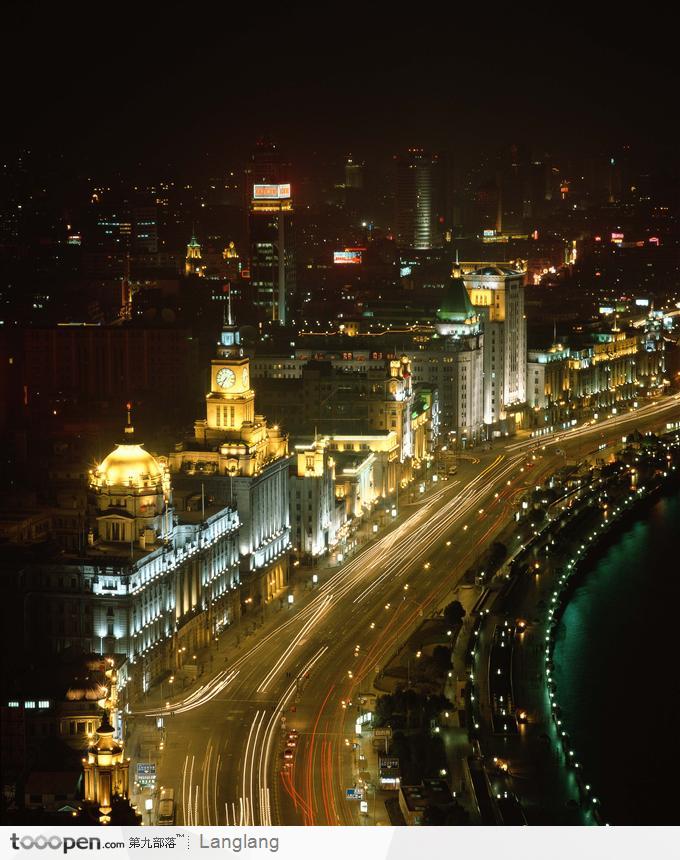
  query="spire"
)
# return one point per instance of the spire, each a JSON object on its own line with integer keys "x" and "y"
{"x": 456, "y": 268}
{"x": 129, "y": 431}
{"x": 230, "y": 338}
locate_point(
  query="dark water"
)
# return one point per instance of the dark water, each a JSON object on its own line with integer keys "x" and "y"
{"x": 617, "y": 668}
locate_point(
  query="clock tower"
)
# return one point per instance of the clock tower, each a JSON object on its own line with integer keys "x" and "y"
{"x": 231, "y": 401}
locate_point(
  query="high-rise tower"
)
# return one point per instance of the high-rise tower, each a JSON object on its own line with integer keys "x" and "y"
{"x": 272, "y": 262}
{"x": 416, "y": 200}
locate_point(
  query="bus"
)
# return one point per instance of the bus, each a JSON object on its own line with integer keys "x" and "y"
{"x": 166, "y": 807}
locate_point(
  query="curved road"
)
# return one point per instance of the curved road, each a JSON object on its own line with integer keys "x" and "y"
{"x": 224, "y": 741}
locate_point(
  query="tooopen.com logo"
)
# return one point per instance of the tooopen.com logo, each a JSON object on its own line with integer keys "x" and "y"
{"x": 58, "y": 843}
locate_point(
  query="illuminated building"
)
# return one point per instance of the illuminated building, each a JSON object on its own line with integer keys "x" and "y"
{"x": 354, "y": 176}
{"x": 391, "y": 405}
{"x": 272, "y": 263}
{"x": 497, "y": 292}
{"x": 131, "y": 228}
{"x": 415, "y": 199}
{"x": 617, "y": 366}
{"x": 458, "y": 371}
{"x": 173, "y": 572}
{"x": 354, "y": 484}
{"x": 159, "y": 572}
{"x": 193, "y": 264}
{"x": 242, "y": 462}
{"x": 133, "y": 496}
{"x": 384, "y": 447}
{"x": 106, "y": 771}
{"x": 313, "y": 518}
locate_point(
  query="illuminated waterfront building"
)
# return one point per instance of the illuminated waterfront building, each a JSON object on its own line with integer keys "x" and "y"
{"x": 158, "y": 576}
{"x": 313, "y": 517}
{"x": 615, "y": 366}
{"x": 240, "y": 461}
{"x": 458, "y": 369}
{"x": 497, "y": 292}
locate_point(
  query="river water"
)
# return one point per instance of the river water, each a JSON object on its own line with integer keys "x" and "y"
{"x": 616, "y": 667}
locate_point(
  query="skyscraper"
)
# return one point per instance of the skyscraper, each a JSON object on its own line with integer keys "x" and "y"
{"x": 272, "y": 262}
{"x": 416, "y": 199}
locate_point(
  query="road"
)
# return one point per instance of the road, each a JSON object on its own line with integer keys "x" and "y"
{"x": 305, "y": 670}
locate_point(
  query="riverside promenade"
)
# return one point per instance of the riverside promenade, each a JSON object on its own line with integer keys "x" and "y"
{"x": 534, "y": 762}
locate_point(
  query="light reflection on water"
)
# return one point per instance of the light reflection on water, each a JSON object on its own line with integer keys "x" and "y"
{"x": 616, "y": 670}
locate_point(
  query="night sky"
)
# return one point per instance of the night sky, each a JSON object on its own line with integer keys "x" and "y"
{"x": 179, "y": 81}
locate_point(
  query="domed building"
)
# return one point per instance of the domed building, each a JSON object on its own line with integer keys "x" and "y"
{"x": 164, "y": 582}
{"x": 133, "y": 495}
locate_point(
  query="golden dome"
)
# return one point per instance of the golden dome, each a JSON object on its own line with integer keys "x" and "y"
{"x": 128, "y": 465}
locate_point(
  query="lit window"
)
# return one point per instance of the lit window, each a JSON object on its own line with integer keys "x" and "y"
{"x": 29, "y": 704}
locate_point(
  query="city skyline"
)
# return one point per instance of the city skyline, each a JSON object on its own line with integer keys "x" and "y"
{"x": 339, "y": 421}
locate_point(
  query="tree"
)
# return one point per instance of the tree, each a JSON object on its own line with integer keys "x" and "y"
{"x": 454, "y": 613}
{"x": 441, "y": 657}
{"x": 498, "y": 553}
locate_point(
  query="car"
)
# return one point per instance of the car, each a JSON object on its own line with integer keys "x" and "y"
{"x": 291, "y": 743}
{"x": 288, "y": 755}
{"x": 521, "y": 717}
{"x": 293, "y": 735}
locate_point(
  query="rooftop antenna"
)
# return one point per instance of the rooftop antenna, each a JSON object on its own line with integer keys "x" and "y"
{"x": 231, "y": 322}
{"x": 555, "y": 331}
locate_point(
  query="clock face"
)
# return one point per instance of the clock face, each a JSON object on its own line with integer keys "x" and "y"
{"x": 225, "y": 377}
{"x": 244, "y": 377}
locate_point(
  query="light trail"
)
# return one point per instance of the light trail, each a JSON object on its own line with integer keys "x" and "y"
{"x": 246, "y": 781}
{"x": 316, "y": 617}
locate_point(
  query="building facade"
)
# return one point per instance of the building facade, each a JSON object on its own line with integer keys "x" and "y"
{"x": 240, "y": 461}
{"x": 313, "y": 515}
{"x": 497, "y": 292}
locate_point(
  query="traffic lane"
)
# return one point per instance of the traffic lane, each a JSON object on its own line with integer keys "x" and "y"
{"x": 221, "y": 724}
{"x": 660, "y": 408}
{"x": 480, "y": 531}
{"x": 257, "y": 663}
{"x": 546, "y": 467}
{"x": 478, "y": 535}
